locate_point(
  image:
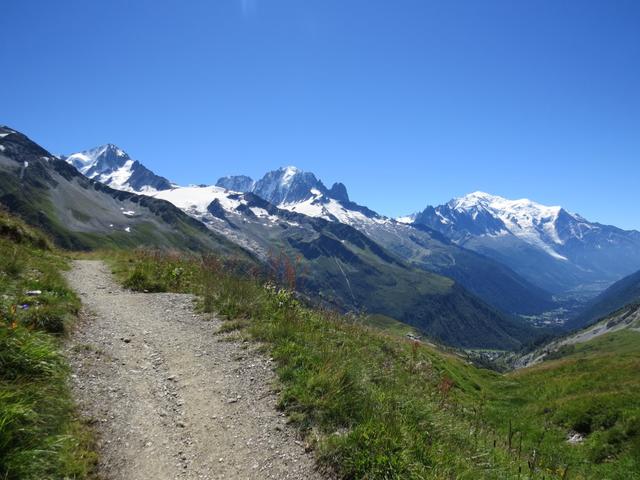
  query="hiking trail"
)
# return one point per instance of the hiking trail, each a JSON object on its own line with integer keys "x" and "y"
{"x": 170, "y": 399}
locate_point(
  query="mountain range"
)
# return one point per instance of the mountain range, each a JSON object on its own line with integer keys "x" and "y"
{"x": 516, "y": 255}
{"x": 296, "y": 191}
{"x": 337, "y": 265}
{"x": 83, "y": 214}
{"x": 556, "y": 250}
{"x": 461, "y": 273}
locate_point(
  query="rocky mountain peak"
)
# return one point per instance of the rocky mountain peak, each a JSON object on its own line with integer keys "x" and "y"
{"x": 339, "y": 192}
{"x": 288, "y": 185}
{"x": 111, "y": 165}
{"x": 236, "y": 183}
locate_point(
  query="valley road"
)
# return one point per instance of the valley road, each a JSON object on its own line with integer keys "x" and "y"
{"x": 168, "y": 398}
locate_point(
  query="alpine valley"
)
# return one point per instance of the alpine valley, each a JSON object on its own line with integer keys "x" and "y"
{"x": 474, "y": 273}
{"x": 518, "y": 256}
{"x": 253, "y": 240}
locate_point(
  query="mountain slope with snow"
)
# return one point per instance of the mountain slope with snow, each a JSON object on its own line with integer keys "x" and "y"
{"x": 285, "y": 186}
{"x": 511, "y": 253}
{"x": 342, "y": 267}
{"x": 301, "y": 192}
{"x": 81, "y": 214}
{"x": 112, "y": 166}
{"x": 555, "y": 249}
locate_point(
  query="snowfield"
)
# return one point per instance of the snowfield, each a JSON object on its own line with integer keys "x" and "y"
{"x": 195, "y": 200}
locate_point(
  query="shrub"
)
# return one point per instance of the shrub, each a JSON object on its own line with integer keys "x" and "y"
{"x": 10, "y": 262}
{"x": 27, "y": 354}
{"x": 140, "y": 282}
{"x": 48, "y": 318}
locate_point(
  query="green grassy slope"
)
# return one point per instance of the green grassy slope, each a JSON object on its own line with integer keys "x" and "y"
{"x": 347, "y": 274}
{"x": 377, "y": 406}
{"x": 40, "y": 437}
{"x": 593, "y": 389}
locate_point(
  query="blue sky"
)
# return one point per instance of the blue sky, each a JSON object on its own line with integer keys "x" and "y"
{"x": 408, "y": 102}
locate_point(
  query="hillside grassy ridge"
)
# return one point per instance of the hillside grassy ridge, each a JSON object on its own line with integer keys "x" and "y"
{"x": 427, "y": 301}
{"x": 622, "y": 293}
{"x": 593, "y": 389}
{"x": 390, "y": 325}
{"x": 377, "y": 406}
{"x": 40, "y": 435}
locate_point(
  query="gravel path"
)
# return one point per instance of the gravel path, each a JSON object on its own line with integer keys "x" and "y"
{"x": 168, "y": 398}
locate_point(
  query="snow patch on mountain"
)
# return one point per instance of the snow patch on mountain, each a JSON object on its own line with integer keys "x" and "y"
{"x": 118, "y": 178}
{"x": 322, "y": 206}
{"x": 288, "y": 174}
{"x": 195, "y": 200}
{"x": 407, "y": 219}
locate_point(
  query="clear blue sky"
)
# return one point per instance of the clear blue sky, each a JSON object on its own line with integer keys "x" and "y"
{"x": 408, "y": 102}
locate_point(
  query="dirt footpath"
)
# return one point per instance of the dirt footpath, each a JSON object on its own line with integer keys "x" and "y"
{"x": 168, "y": 398}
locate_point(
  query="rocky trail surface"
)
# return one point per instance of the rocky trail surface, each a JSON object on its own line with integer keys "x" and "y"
{"x": 168, "y": 398}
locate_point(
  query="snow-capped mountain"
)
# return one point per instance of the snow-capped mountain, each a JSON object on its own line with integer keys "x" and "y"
{"x": 336, "y": 264}
{"x": 294, "y": 190}
{"x": 217, "y": 205}
{"x": 112, "y": 166}
{"x": 81, "y": 214}
{"x": 510, "y": 253}
{"x": 285, "y": 186}
{"x": 480, "y": 213}
{"x": 339, "y": 264}
{"x": 556, "y": 249}
{"x": 298, "y": 191}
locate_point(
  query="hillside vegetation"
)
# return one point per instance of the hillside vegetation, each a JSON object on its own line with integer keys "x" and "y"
{"x": 377, "y": 406}
{"x": 371, "y": 403}
{"x": 40, "y": 437}
{"x": 591, "y": 389}
{"x": 618, "y": 295}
